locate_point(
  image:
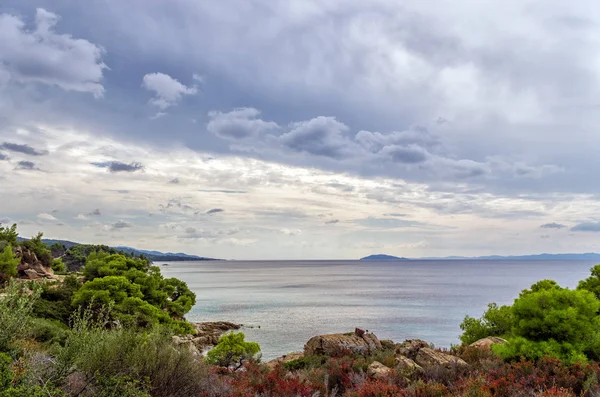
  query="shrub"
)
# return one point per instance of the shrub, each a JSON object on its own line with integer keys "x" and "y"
{"x": 40, "y": 249}
{"x": 15, "y": 312}
{"x": 106, "y": 357}
{"x": 59, "y": 266}
{"x": 8, "y": 262}
{"x": 496, "y": 321}
{"x": 6, "y": 373}
{"x": 55, "y": 299}
{"x": 49, "y": 331}
{"x": 233, "y": 351}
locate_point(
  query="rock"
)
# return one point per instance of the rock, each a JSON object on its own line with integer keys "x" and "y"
{"x": 427, "y": 357}
{"x": 407, "y": 367}
{"x": 486, "y": 343}
{"x": 387, "y": 344}
{"x": 377, "y": 370}
{"x": 186, "y": 343}
{"x": 286, "y": 358}
{"x": 31, "y": 274}
{"x": 342, "y": 344}
{"x": 214, "y": 328}
{"x": 409, "y": 348}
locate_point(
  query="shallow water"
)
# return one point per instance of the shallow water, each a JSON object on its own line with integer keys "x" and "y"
{"x": 292, "y": 301}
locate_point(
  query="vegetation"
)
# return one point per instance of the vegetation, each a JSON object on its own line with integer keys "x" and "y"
{"x": 108, "y": 330}
{"x": 233, "y": 351}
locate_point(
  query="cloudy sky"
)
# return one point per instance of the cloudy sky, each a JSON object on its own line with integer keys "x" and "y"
{"x": 277, "y": 129}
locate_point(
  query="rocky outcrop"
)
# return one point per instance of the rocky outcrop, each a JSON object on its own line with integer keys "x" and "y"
{"x": 377, "y": 370}
{"x": 407, "y": 367}
{"x": 487, "y": 343}
{"x": 286, "y": 358}
{"x": 342, "y": 344}
{"x": 427, "y": 357}
{"x": 31, "y": 267}
{"x": 207, "y": 335}
{"x": 409, "y": 348}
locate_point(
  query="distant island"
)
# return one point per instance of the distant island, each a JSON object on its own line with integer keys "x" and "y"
{"x": 539, "y": 257}
{"x": 382, "y": 257}
{"x": 154, "y": 256}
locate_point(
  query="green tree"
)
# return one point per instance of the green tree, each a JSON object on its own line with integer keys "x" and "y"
{"x": 233, "y": 351}
{"x": 552, "y": 321}
{"x": 8, "y": 262}
{"x": 9, "y": 234}
{"x": 592, "y": 283}
{"x": 496, "y": 321}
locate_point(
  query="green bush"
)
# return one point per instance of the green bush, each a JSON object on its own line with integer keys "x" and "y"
{"x": 106, "y": 358}
{"x": 15, "y": 312}
{"x": 8, "y": 262}
{"x": 59, "y": 266}
{"x": 496, "y": 321}
{"x": 49, "y": 331}
{"x": 32, "y": 391}
{"x": 545, "y": 320}
{"x": 6, "y": 373}
{"x": 233, "y": 351}
{"x": 55, "y": 300}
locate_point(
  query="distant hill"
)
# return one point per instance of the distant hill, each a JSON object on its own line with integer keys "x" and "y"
{"x": 382, "y": 257}
{"x": 539, "y": 257}
{"x": 154, "y": 256}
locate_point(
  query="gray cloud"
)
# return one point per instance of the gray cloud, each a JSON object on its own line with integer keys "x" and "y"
{"x": 587, "y": 227}
{"x": 175, "y": 181}
{"x": 321, "y": 136}
{"x": 553, "y": 225}
{"x": 26, "y": 165}
{"x": 241, "y": 123}
{"x": 121, "y": 225}
{"x": 117, "y": 166}
{"x": 95, "y": 212}
{"x": 25, "y": 149}
{"x": 332, "y": 222}
{"x": 405, "y": 154}
{"x": 41, "y": 55}
{"x": 3, "y": 156}
{"x": 215, "y": 211}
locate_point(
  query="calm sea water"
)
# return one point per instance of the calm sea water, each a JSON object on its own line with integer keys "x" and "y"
{"x": 291, "y": 301}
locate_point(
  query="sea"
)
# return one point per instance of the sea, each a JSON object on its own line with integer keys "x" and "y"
{"x": 282, "y": 304}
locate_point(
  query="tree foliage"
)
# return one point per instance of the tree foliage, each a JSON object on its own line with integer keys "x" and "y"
{"x": 495, "y": 321}
{"x": 140, "y": 295}
{"x": 545, "y": 320}
{"x": 233, "y": 351}
{"x": 8, "y": 262}
{"x": 9, "y": 234}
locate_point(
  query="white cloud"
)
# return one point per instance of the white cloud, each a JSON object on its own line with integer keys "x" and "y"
{"x": 168, "y": 91}
{"x": 46, "y": 217}
{"x": 43, "y": 56}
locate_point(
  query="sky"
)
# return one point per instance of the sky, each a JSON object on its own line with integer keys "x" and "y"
{"x": 277, "y": 129}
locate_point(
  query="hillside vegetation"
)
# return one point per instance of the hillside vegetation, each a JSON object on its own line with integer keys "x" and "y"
{"x": 93, "y": 321}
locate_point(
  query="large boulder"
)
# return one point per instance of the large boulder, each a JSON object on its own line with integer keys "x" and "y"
{"x": 487, "y": 343}
{"x": 377, "y": 370}
{"x": 409, "y": 348}
{"x": 342, "y": 344}
{"x": 427, "y": 357}
{"x": 208, "y": 333}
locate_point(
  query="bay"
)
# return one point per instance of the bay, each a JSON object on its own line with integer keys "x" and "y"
{"x": 282, "y": 304}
